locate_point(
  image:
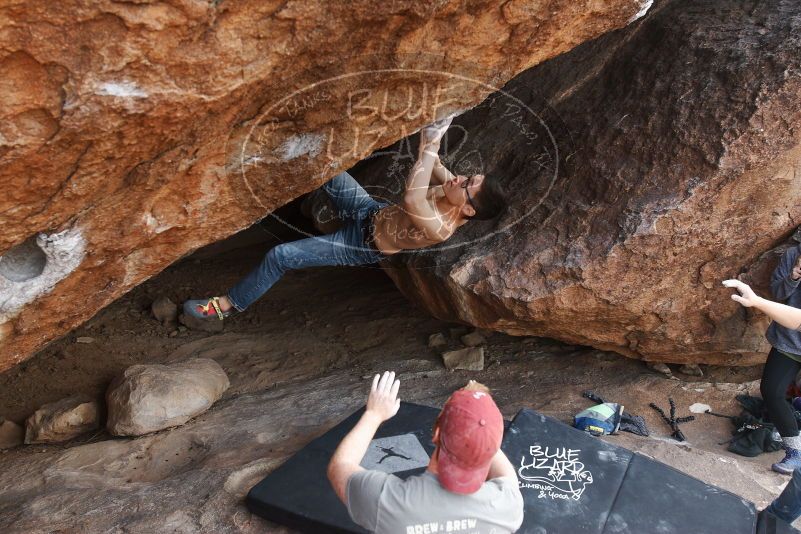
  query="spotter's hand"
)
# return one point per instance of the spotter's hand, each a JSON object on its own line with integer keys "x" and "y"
{"x": 747, "y": 297}
{"x": 383, "y": 400}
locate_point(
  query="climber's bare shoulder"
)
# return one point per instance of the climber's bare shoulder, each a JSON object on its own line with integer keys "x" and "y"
{"x": 397, "y": 229}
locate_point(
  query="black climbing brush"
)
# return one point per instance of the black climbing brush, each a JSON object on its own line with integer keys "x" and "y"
{"x": 673, "y": 421}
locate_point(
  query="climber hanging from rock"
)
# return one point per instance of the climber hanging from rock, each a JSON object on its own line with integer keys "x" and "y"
{"x": 436, "y": 202}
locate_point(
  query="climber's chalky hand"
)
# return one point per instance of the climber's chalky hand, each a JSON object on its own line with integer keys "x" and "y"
{"x": 434, "y": 132}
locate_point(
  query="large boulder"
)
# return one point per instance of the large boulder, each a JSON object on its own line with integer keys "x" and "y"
{"x": 132, "y": 133}
{"x": 62, "y": 420}
{"x": 645, "y": 167}
{"x": 148, "y": 398}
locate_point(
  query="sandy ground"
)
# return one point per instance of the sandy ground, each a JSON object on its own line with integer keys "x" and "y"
{"x": 343, "y": 324}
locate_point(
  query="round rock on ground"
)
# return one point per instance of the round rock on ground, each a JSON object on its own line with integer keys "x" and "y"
{"x": 62, "y": 420}
{"x": 436, "y": 341}
{"x": 473, "y": 339}
{"x": 660, "y": 367}
{"x": 11, "y": 434}
{"x": 470, "y": 359}
{"x": 692, "y": 369}
{"x": 147, "y": 398}
{"x": 164, "y": 310}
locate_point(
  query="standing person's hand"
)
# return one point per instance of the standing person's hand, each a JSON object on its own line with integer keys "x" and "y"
{"x": 796, "y": 274}
{"x": 747, "y": 297}
{"x": 383, "y": 400}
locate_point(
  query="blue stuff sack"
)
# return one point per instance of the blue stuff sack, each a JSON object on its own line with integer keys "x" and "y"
{"x": 600, "y": 419}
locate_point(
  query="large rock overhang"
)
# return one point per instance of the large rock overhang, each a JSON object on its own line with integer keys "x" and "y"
{"x": 133, "y": 133}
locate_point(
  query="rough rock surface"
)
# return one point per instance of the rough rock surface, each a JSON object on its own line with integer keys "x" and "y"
{"x": 132, "y": 133}
{"x": 62, "y": 420}
{"x": 147, "y": 398}
{"x": 678, "y": 154}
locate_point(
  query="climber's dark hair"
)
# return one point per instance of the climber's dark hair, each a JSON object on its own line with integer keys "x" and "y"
{"x": 490, "y": 201}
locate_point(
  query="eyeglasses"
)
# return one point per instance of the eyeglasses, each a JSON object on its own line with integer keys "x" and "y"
{"x": 464, "y": 185}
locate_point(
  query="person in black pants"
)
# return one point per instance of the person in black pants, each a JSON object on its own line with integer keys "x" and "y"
{"x": 784, "y": 361}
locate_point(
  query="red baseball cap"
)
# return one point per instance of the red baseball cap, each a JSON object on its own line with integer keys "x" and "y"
{"x": 470, "y": 433}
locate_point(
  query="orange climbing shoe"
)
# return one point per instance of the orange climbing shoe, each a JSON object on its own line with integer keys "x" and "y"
{"x": 206, "y": 309}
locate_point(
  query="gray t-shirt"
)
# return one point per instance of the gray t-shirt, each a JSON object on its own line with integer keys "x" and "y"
{"x": 785, "y": 290}
{"x": 384, "y": 503}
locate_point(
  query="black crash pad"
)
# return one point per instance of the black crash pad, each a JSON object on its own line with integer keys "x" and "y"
{"x": 569, "y": 479}
{"x": 571, "y": 482}
{"x": 298, "y": 493}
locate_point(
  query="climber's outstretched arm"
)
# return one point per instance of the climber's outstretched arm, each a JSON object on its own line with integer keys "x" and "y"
{"x": 416, "y": 196}
{"x": 416, "y": 204}
{"x": 440, "y": 173}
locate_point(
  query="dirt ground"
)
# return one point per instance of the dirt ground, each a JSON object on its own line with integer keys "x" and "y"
{"x": 340, "y": 325}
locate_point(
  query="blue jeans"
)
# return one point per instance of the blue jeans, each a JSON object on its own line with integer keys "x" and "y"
{"x": 787, "y": 505}
{"x": 344, "y": 247}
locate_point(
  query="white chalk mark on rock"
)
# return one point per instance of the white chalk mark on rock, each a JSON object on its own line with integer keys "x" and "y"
{"x": 121, "y": 89}
{"x": 301, "y": 145}
{"x": 64, "y": 252}
{"x": 252, "y": 160}
{"x": 643, "y": 10}
{"x": 154, "y": 224}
